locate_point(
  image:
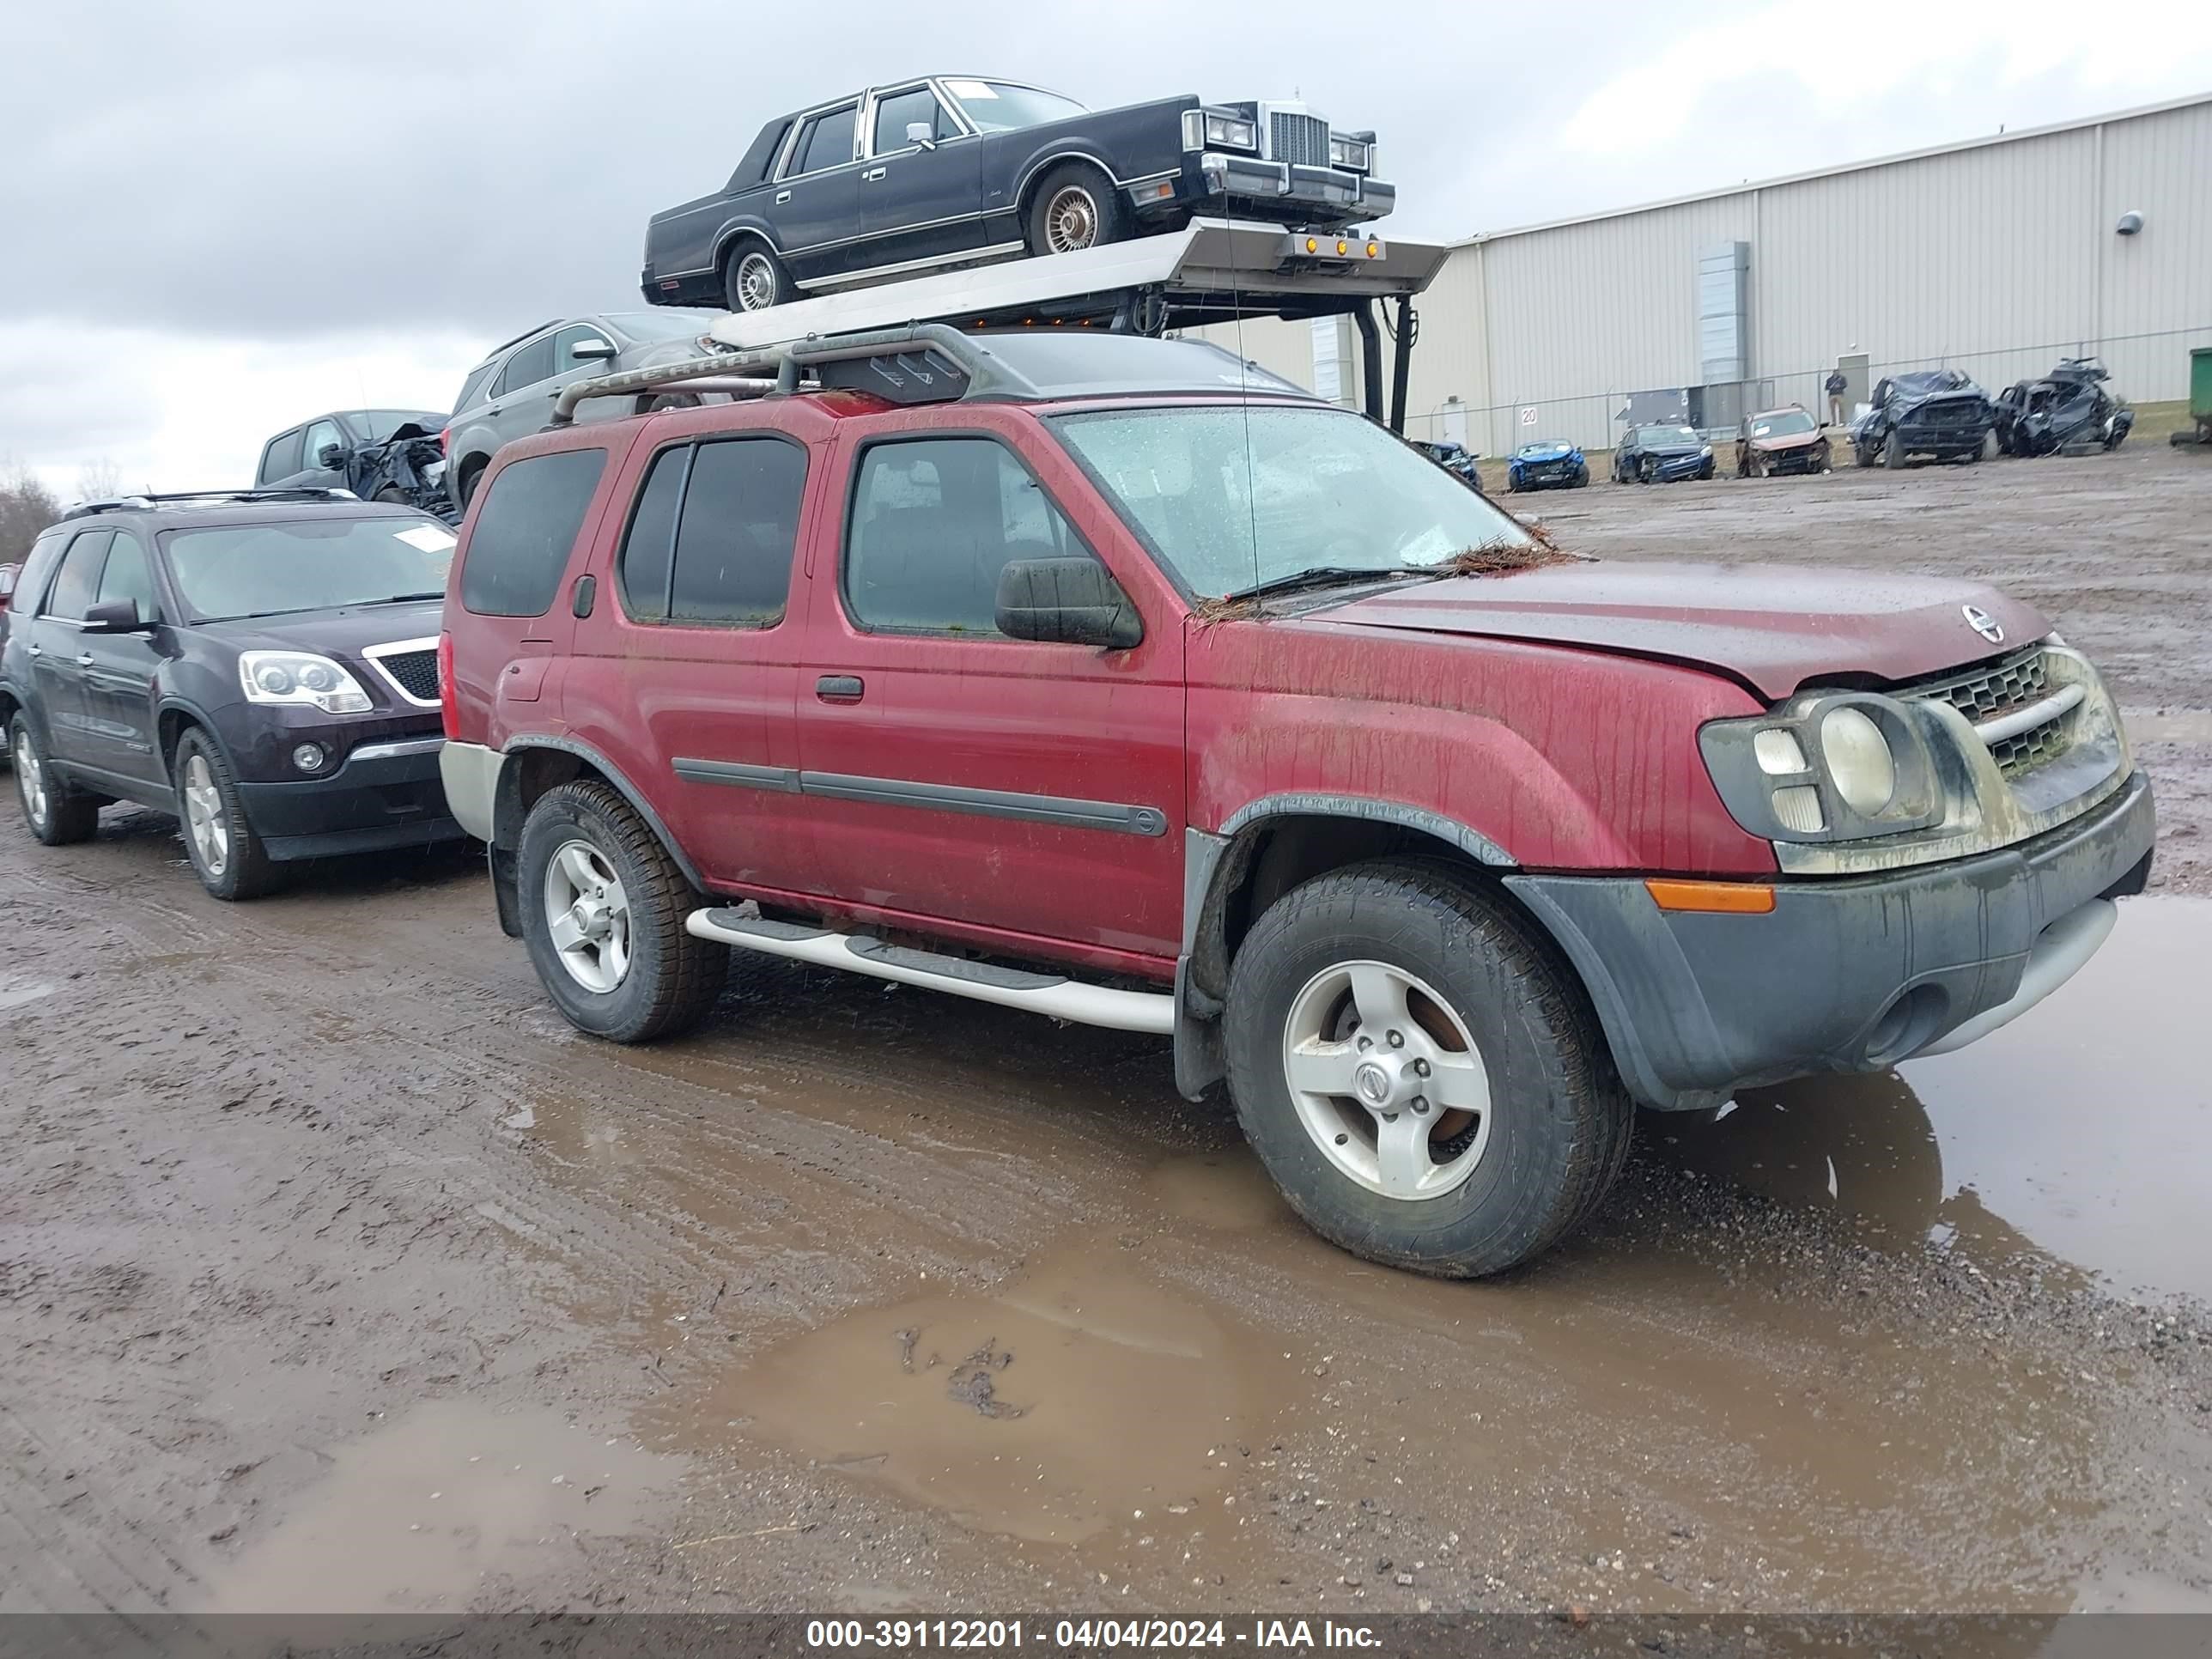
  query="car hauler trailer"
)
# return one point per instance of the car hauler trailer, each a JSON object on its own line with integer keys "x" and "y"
{"x": 1212, "y": 270}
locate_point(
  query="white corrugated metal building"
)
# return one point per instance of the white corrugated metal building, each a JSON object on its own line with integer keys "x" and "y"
{"x": 1996, "y": 255}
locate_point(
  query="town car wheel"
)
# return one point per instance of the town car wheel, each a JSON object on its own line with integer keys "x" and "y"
{"x": 602, "y": 908}
{"x": 226, "y": 853}
{"x": 1076, "y": 207}
{"x": 1419, "y": 1072}
{"x": 754, "y": 279}
{"x": 53, "y": 812}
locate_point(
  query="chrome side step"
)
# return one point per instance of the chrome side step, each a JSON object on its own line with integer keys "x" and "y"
{"x": 1152, "y": 1011}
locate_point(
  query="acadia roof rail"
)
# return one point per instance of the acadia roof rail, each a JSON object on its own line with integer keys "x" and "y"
{"x": 146, "y": 502}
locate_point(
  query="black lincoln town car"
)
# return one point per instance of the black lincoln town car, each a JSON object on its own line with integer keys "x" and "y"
{"x": 262, "y": 663}
{"x": 949, "y": 171}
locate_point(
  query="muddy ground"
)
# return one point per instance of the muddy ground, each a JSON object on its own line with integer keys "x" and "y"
{"x": 336, "y": 1273}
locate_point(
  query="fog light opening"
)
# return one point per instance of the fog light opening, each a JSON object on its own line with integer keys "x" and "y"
{"x": 309, "y": 757}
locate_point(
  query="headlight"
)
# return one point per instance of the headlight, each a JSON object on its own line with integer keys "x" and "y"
{"x": 1706, "y": 453}
{"x": 1859, "y": 759}
{"x": 301, "y": 677}
{"x": 1351, "y": 154}
{"x": 1831, "y": 766}
{"x": 1227, "y": 132}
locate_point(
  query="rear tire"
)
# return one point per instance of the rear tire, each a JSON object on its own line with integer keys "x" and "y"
{"x": 1892, "y": 451}
{"x": 622, "y": 968}
{"x": 1529, "y": 1124}
{"x": 754, "y": 279}
{"x": 1074, "y": 207}
{"x": 227, "y": 854}
{"x": 53, "y": 811}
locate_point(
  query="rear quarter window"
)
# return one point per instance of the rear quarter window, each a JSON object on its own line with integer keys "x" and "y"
{"x": 525, "y": 532}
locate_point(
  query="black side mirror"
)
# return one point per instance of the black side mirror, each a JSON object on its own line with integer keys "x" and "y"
{"x": 592, "y": 351}
{"x": 331, "y": 457}
{"x": 116, "y": 616}
{"x": 1065, "y": 602}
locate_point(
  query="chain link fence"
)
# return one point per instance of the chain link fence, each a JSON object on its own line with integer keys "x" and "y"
{"x": 1594, "y": 420}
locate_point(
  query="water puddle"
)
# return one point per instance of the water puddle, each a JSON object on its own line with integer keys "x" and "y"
{"x": 2079, "y": 1134}
{"x": 420, "y": 1514}
{"x": 1081, "y": 1395}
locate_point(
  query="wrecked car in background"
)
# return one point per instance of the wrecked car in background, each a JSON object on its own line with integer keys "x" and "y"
{"x": 1455, "y": 459}
{"x": 393, "y": 455}
{"x": 2070, "y": 411}
{"x": 1546, "y": 465}
{"x": 1780, "y": 440}
{"x": 1661, "y": 454}
{"x": 1937, "y": 412}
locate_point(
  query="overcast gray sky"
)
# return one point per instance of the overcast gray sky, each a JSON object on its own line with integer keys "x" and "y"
{"x": 228, "y": 216}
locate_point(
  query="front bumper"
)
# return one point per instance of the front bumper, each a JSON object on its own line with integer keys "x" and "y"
{"x": 1681, "y": 466}
{"x": 385, "y": 795}
{"x": 1844, "y": 974}
{"x": 1942, "y": 438}
{"x": 1291, "y": 193}
{"x": 1549, "y": 475}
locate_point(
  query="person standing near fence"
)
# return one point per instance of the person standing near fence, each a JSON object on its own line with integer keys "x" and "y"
{"x": 1835, "y": 387}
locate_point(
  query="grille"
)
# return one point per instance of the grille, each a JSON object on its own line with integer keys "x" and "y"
{"x": 415, "y": 672}
{"x": 1957, "y": 412}
{"x": 1302, "y": 140}
{"x": 1990, "y": 693}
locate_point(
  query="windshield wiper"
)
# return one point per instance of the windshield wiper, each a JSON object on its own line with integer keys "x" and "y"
{"x": 403, "y": 598}
{"x": 1325, "y": 575}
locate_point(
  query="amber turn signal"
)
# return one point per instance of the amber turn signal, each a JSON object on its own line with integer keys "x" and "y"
{"x": 1730, "y": 898}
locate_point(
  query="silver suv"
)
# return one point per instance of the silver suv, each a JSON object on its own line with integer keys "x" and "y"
{"x": 510, "y": 394}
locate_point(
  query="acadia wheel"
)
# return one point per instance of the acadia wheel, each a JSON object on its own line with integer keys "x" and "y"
{"x": 1419, "y": 1072}
{"x": 603, "y": 912}
{"x": 53, "y": 812}
{"x": 227, "y": 855}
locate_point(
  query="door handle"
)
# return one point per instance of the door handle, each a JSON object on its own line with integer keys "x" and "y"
{"x": 84, "y": 659}
{"x": 873, "y": 173}
{"x": 37, "y": 650}
{"x": 781, "y": 196}
{"x": 840, "y": 687}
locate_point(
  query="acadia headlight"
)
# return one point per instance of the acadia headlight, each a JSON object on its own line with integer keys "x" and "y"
{"x": 301, "y": 677}
{"x": 1828, "y": 766}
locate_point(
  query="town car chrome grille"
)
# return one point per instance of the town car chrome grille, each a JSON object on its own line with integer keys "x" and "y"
{"x": 411, "y": 667}
{"x": 1302, "y": 140}
{"x": 2012, "y": 708}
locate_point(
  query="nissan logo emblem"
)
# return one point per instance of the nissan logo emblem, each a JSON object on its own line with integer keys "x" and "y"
{"x": 1982, "y": 623}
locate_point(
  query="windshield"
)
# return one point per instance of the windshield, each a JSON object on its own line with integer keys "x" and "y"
{"x": 307, "y": 564}
{"x": 376, "y": 425}
{"x": 1544, "y": 448}
{"x": 1231, "y": 496}
{"x": 994, "y": 106}
{"x": 675, "y": 325}
{"x": 1660, "y": 437}
{"x": 1784, "y": 425}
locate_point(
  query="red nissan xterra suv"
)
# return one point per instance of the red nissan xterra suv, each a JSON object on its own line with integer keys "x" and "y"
{"x": 1115, "y": 679}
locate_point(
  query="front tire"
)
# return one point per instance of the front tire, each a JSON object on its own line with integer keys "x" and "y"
{"x": 1892, "y": 451}
{"x": 53, "y": 812}
{"x": 227, "y": 855}
{"x": 1582, "y": 478}
{"x": 603, "y": 912}
{"x": 1419, "y": 1072}
{"x": 1076, "y": 207}
{"x": 754, "y": 279}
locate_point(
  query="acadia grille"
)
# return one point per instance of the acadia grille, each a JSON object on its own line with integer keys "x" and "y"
{"x": 415, "y": 672}
{"x": 1302, "y": 140}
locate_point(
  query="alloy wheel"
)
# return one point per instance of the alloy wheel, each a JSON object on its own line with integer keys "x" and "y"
{"x": 1386, "y": 1081}
{"x": 587, "y": 916}
{"x": 205, "y": 820}
{"x": 30, "y": 780}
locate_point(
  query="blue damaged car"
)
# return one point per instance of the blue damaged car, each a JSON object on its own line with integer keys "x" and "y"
{"x": 1547, "y": 464}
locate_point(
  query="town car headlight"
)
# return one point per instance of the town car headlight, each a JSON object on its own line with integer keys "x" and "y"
{"x": 1353, "y": 155}
{"x": 1227, "y": 132}
{"x": 301, "y": 677}
{"x": 1829, "y": 766}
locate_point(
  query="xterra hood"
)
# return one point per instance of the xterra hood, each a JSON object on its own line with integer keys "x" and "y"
{"x": 1774, "y": 627}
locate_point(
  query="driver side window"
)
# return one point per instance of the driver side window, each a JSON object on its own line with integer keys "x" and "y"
{"x": 320, "y": 434}
{"x": 127, "y": 576}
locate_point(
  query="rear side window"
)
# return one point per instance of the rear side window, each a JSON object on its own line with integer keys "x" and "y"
{"x": 825, "y": 141}
{"x": 79, "y": 581}
{"x": 933, "y": 522}
{"x": 712, "y": 537}
{"x": 526, "y": 530}
{"x": 472, "y": 389}
{"x": 282, "y": 458}
{"x": 530, "y": 364}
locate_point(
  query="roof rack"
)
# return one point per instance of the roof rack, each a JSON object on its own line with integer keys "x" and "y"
{"x": 147, "y": 502}
{"x": 1212, "y": 270}
{"x": 935, "y": 362}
